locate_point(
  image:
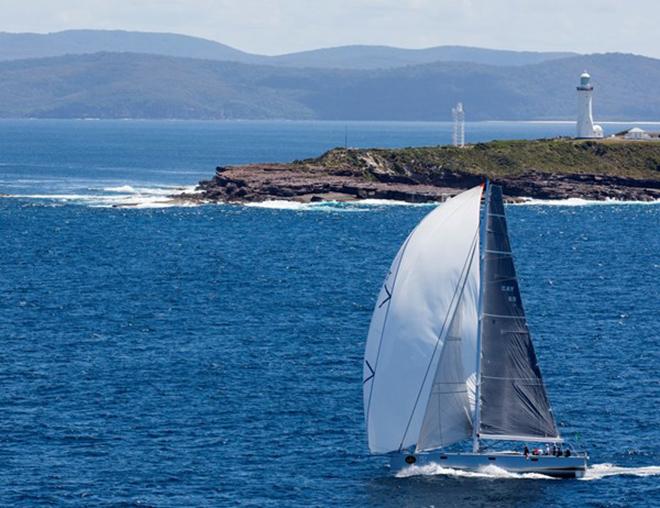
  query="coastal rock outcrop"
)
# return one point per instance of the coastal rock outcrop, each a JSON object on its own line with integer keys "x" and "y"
{"x": 542, "y": 169}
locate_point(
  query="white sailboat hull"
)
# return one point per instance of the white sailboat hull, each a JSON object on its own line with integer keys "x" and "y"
{"x": 559, "y": 467}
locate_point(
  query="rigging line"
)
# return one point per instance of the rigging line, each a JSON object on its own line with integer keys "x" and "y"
{"x": 396, "y": 274}
{"x": 464, "y": 272}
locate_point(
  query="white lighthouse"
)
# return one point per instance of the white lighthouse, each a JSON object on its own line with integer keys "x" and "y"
{"x": 585, "y": 119}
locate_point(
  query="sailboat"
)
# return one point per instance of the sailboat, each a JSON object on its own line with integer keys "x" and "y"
{"x": 449, "y": 360}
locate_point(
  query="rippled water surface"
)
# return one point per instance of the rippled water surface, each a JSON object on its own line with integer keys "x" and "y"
{"x": 212, "y": 355}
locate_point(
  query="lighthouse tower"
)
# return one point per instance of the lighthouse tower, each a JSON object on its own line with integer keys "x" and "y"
{"x": 585, "y": 119}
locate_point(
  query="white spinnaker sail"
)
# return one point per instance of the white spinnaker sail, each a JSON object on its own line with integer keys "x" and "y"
{"x": 412, "y": 317}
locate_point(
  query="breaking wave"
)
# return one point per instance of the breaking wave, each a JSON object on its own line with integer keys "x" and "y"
{"x": 124, "y": 196}
{"x": 333, "y": 206}
{"x": 121, "y": 188}
{"x": 581, "y": 202}
{"x": 390, "y": 202}
{"x": 129, "y": 196}
{"x": 281, "y": 205}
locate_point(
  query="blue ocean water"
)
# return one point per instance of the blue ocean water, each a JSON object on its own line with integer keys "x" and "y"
{"x": 212, "y": 355}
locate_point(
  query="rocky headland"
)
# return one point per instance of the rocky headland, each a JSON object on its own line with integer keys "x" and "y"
{"x": 540, "y": 169}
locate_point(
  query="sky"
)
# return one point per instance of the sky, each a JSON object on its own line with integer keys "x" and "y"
{"x": 282, "y": 26}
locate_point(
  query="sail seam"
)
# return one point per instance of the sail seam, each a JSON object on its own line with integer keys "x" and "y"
{"x": 520, "y": 437}
{"x": 500, "y": 316}
{"x": 450, "y": 391}
{"x": 501, "y": 279}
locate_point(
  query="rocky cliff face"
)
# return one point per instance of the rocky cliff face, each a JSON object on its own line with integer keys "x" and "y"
{"x": 548, "y": 169}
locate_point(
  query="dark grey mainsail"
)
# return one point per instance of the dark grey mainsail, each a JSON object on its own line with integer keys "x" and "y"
{"x": 513, "y": 401}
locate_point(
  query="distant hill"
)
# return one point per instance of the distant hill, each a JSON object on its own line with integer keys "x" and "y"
{"x": 383, "y": 57}
{"x": 127, "y": 85}
{"x": 76, "y": 42}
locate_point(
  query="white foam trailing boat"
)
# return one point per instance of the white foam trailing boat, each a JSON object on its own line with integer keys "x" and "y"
{"x": 450, "y": 371}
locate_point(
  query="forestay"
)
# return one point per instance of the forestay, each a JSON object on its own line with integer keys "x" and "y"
{"x": 514, "y": 404}
{"x": 430, "y": 293}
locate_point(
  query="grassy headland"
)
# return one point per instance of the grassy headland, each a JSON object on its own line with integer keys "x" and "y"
{"x": 495, "y": 159}
{"x": 547, "y": 169}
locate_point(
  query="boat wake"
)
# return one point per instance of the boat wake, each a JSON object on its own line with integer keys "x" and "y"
{"x": 598, "y": 471}
{"x": 594, "y": 472}
{"x": 489, "y": 472}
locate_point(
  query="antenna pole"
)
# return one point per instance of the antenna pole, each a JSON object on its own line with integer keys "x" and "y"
{"x": 458, "y": 131}
{"x": 483, "y": 228}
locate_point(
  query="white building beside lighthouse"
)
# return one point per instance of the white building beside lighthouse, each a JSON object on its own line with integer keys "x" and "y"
{"x": 585, "y": 118}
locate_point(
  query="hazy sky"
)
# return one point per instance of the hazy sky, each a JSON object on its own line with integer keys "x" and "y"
{"x": 278, "y": 26}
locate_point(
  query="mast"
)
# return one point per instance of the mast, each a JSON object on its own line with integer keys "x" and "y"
{"x": 477, "y": 396}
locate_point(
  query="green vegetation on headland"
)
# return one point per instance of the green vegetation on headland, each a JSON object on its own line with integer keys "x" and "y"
{"x": 497, "y": 159}
{"x": 544, "y": 169}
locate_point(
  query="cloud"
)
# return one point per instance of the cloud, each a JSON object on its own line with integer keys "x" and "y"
{"x": 277, "y": 26}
